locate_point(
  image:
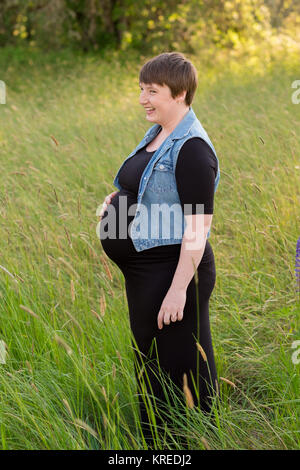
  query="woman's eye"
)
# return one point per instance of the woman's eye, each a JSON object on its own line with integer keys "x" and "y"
{"x": 151, "y": 91}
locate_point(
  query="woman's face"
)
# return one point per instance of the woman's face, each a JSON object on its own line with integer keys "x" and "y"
{"x": 159, "y": 105}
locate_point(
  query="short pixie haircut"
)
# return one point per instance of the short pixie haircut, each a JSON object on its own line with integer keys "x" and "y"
{"x": 174, "y": 70}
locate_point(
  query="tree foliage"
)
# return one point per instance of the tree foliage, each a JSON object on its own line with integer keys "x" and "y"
{"x": 146, "y": 25}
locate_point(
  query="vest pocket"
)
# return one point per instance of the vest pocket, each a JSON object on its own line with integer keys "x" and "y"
{"x": 162, "y": 181}
{"x": 162, "y": 167}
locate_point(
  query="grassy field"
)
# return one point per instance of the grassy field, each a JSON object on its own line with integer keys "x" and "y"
{"x": 68, "y": 379}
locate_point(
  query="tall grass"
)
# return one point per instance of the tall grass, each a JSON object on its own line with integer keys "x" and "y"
{"x": 68, "y": 380}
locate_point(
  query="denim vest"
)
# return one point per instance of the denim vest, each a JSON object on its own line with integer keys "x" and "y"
{"x": 157, "y": 194}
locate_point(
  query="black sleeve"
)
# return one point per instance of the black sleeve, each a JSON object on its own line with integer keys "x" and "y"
{"x": 195, "y": 172}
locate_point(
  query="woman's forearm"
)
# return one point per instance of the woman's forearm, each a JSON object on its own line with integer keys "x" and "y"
{"x": 192, "y": 249}
{"x": 188, "y": 262}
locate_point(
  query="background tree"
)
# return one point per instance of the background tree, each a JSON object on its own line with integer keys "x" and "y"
{"x": 146, "y": 25}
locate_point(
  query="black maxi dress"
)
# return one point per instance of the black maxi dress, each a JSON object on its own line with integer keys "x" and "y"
{"x": 148, "y": 275}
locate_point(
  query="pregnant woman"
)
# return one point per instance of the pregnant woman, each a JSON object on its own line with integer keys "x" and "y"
{"x": 156, "y": 229}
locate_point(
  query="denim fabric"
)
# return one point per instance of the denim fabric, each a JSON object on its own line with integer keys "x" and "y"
{"x": 159, "y": 218}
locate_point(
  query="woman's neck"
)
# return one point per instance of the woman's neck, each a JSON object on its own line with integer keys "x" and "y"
{"x": 167, "y": 129}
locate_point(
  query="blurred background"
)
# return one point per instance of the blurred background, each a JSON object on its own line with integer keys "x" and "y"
{"x": 150, "y": 25}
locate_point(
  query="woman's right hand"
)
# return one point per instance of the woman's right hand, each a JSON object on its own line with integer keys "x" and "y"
{"x": 107, "y": 201}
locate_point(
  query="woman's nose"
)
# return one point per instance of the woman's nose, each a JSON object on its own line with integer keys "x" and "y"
{"x": 143, "y": 99}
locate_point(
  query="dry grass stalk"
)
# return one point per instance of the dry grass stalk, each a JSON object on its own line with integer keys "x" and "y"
{"x": 62, "y": 343}
{"x": 68, "y": 237}
{"x": 78, "y": 206}
{"x": 55, "y": 194}
{"x": 106, "y": 267}
{"x": 35, "y": 387}
{"x": 115, "y": 399}
{"x": 69, "y": 266}
{"x": 119, "y": 356}
{"x": 102, "y": 304}
{"x": 54, "y": 140}
{"x": 199, "y": 347}
{"x": 72, "y": 291}
{"x": 85, "y": 426}
{"x": 141, "y": 372}
{"x": 96, "y": 315}
{"x": 187, "y": 392}
{"x": 74, "y": 320}
{"x": 217, "y": 387}
{"x": 51, "y": 260}
{"x": 114, "y": 370}
{"x": 228, "y": 382}
{"x": 205, "y": 443}
{"x": 27, "y": 309}
{"x": 104, "y": 393}
{"x": 274, "y": 204}
{"x": 33, "y": 168}
{"x": 65, "y": 402}
{"x": 104, "y": 420}
{"x": 257, "y": 187}
{"x": 29, "y": 367}
{"x": 6, "y": 270}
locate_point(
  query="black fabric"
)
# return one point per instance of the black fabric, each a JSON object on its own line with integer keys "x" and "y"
{"x": 175, "y": 344}
{"x": 148, "y": 275}
{"x": 195, "y": 172}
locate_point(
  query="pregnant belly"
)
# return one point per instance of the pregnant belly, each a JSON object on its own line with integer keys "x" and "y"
{"x": 117, "y": 243}
{"x": 114, "y": 233}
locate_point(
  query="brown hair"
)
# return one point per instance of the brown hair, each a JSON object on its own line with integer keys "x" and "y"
{"x": 175, "y": 71}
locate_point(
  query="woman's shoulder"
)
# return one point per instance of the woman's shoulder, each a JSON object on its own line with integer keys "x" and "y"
{"x": 195, "y": 152}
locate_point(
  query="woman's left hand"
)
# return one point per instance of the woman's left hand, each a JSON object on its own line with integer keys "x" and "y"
{"x": 172, "y": 307}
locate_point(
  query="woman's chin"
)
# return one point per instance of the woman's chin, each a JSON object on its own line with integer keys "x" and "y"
{"x": 150, "y": 118}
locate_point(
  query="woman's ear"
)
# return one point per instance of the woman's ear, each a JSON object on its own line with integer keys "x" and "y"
{"x": 181, "y": 98}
